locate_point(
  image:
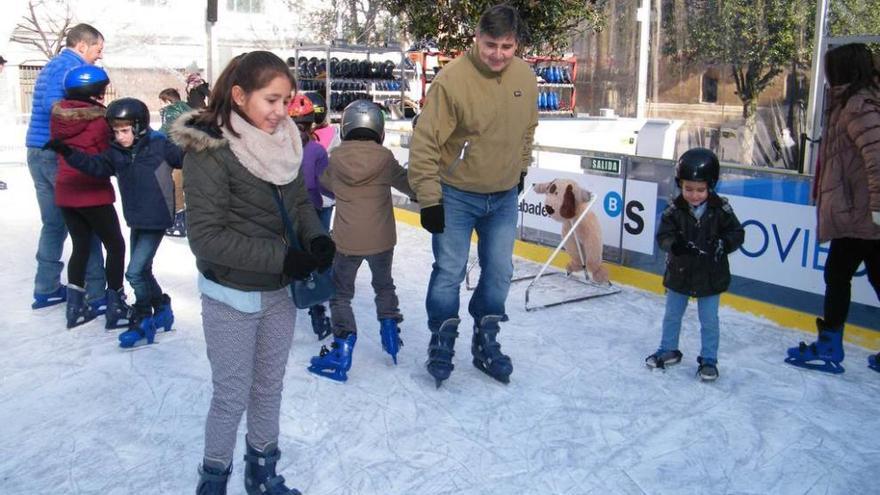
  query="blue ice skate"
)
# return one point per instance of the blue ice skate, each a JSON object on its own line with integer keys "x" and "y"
{"x": 163, "y": 315}
{"x": 874, "y": 362}
{"x": 828, "y": 348}
{"x": 335, "y": 362}
{"x": 320, "y": 323}
{"x": 78, "y": 310}
{"x": 99, "y": 305}
{"x": 142, "y": 334}
{"x": 259, "y": 471}
{"x": 486, "y": 350}
{"x": 57, "y": 296}
{"x": 390, "y": 334}
{"x": 118, "y": 313}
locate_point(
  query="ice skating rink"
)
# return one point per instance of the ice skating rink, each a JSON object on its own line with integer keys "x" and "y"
{"x": 581, "y": 415}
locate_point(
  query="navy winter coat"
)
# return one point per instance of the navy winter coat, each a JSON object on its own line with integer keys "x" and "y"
{"x": 144, "y": 176}
{"x": 48, "y": 89}
{"x": 706, "y": 274}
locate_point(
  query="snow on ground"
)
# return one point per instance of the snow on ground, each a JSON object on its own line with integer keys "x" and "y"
{"x": 581, "y": 415}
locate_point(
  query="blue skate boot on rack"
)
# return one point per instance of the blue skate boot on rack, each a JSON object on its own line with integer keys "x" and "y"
{"x": 828, "y": 348}
{"x": 320, "y": 322}
{"x": 390, "y": 334}
{"x": 441, "y": 349}
{"x": 57, "y": 296}
{"x": 487, "y": 351}
{"x": 874, "y": 362}
{"x": 335, "y": 362}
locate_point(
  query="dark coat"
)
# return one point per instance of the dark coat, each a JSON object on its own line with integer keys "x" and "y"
{"x": 705, "y": 274}
{"x": 144, "y": 176}
{"x": 81, "y": 126}
{"x": 233, "y": 224}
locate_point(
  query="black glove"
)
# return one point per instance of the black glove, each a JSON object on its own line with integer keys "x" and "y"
{"x": 522, "y": 183}
{"x": 58, "y": 146}
{"x": 433, "y": 219}
{"x": 685, "y": 248}
{"x": 299, "y": 264}
{"x": 323, "y": 249}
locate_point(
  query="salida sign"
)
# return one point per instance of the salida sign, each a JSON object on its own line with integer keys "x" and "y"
{"x": 638, "y": 212}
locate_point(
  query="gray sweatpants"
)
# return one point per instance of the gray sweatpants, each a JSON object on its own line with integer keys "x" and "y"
{"x": 248, "y": 354}
{"x": 345, "y": 268}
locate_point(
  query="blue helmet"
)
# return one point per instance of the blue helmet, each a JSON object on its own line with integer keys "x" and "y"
{"x": 86, "y": 81}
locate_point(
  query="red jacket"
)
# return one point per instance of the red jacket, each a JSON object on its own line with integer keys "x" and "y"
{"x": 82, "y": 126}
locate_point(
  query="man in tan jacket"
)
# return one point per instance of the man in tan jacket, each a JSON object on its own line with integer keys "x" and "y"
{"x": 469, "y": 155}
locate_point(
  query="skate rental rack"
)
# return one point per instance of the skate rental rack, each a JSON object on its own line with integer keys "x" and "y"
{"x": 603, "y": 290}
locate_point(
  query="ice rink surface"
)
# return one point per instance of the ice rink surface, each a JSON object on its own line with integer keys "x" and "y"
{"x": 581, "y": 415}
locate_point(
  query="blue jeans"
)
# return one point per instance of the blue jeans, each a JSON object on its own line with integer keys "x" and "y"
{"x": 493, "y": 217}
{"x": 144, "y": 244}
{"x": 707, "y": 309}
{"x": 43, "y": 166}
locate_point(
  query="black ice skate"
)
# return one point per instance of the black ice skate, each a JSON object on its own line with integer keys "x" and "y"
{"x": 259, "y": 471}
{"x": 487, "y": 351}
{"x": 708, "y": 372}
{"x": 213, "y": 478}
{"x": 320, "y": 322}
{"x": 441, "y": 349}
{"x": 663, "y": 359}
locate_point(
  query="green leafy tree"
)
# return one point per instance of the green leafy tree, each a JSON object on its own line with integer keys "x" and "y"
{"x": 452, "y": 23}
{"x": 361, "y": 22}
{"x": 756, "y": 39}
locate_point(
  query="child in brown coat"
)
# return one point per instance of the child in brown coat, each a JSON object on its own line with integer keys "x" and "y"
{"x": 361, "y": 174}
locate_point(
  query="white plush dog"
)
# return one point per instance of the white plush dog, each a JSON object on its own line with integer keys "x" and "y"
{"x": 565, "y": 200}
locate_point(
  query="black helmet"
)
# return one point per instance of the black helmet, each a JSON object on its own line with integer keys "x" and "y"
{"x": 697, "y": 164}
{"x": 133, "y": 110}
{"x": 85, "y": 81}
{"x": 319, "y": 106}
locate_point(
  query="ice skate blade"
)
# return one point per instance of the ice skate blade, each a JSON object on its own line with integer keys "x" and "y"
{"x": 440, "y": 371}
{"x": 80, "y": 322}
{"x": 335, "y": 375}
{"x": 116, "y": 326}
{"x": 827, "y": 366}
{"x": 505, "y": 379}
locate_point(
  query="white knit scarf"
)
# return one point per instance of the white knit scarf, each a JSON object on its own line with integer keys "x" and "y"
{"x": 275, "y": 157}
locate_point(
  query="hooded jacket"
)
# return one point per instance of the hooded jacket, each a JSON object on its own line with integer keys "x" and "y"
{"x": 361, "y": 175}
{"x": 849, "y": 176}
{"x": 706, "y": 274}
{"x": 81, "y": 126}
{"x": 234, "y": 227}
{"x": 493, "y": 112}
{"x": 143, "y": 173}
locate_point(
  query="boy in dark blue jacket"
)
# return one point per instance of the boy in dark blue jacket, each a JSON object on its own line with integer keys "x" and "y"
{"x": 142, "y": 160}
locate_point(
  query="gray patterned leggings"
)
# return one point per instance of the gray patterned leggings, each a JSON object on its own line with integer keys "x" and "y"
{"x": 248, "y": 354}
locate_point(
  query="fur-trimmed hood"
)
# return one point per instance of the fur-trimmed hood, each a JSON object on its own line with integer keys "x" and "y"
{"x": 190, "y": 136}
{"x": 72, "y": 118}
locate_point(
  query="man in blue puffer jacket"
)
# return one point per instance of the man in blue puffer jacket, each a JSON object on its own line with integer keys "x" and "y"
{"x": 84, "y": 45}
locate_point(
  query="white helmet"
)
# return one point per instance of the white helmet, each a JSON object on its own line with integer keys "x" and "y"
{"x": 363, "y": 114}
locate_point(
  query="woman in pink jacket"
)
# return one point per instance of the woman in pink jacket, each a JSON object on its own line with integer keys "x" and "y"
{"x": 847, "y": 198}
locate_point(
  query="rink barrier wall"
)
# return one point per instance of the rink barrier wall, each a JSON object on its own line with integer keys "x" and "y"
{"x": 798, "y": 320}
